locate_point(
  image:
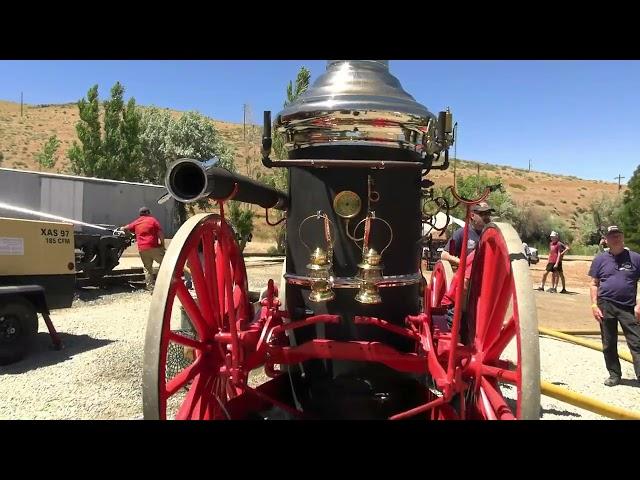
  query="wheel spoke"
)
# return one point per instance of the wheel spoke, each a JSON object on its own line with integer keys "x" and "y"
{"x": 484, "y": 406}
{"x": 208, "y": 246}
{"x": 191, "y": 400}
{"x": 220, "y": 281}
{"x": 200, "y": 285}
{"x": 501, "y": 341}
{"x": 495, "y": 290}
{"x": 497, "y": 314}
{"x": 501, "y": 373}
{"x": 230, "y": 310}
{"x": 496, "y": 399}
{"x": 205, "y": 402}
{"x": 182, "y": 378}
{"x": 188, "y": 342}
{"x": 193, "y": 311}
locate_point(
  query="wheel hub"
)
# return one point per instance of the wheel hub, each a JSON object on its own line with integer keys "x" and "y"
{"x": 8, "y": 327}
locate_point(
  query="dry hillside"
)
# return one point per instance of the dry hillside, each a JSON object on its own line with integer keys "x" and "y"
{"x": 22, "y": 137}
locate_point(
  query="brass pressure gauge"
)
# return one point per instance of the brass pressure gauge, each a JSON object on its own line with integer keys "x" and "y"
{"x": 347, "y": 204}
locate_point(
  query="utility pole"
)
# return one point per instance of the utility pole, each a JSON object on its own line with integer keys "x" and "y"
{"x": 244, "y": 122}
{"x": 455, "y": 152}
{"x": 529, "y": 165}
{"x": 20, "y": 104}
{"x": 455, "y": 162}
{"x": 619, "y": 177}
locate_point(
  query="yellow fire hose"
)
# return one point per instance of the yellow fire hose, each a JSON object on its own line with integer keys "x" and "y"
{"x": 591, "y": 404}
{"x": 579, "y": 341}
{"x": 576, "y": 399}
{"x": 584, "y": 332}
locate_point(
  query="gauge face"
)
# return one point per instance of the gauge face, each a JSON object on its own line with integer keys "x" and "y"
{"x": 347, "y": 204}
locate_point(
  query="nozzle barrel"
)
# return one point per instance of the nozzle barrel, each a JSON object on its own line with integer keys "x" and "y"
{"x": 191, "y": 180}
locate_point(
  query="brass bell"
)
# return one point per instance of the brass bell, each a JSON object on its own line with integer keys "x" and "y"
{"x": 370, "y": 272}
{"x": 319, "y": 268}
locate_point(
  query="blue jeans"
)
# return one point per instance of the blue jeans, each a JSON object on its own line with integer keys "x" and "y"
{"x": 450, "y": 316}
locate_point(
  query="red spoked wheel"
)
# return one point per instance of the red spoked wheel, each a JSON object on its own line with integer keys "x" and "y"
{"x": 440, "y": 281}
{"x": 502, "y": 327}
{"x": 208, "y": 372}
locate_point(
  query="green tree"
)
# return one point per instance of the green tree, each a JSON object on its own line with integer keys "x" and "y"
{"x": 602, "y": 212}
{"x": 113, "y": 152}
{"x": 279, "y": 177}
{"x": 157, "y": 148}
{"x": 165, "y": 139}
{"x": 86, "y": 157}
{"x": 630, "y": 212}
{"x": 47, "y": 157}
{"x": 194, "y": 136}
{"x": 471, "y": 187}
{"x": 112, "y": 141}
{"x": 242, "y": 221}
{"x": 534, "y": 224}
{"x": 131, "y": 154}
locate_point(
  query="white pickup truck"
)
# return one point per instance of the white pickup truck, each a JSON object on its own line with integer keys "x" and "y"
{"x": 531, "y": 254}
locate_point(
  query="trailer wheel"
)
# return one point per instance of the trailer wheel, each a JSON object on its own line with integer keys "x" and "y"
{"x": 502, "y": 328}
{"x": 18, "y": 327}
{"x": 201, "y": 384}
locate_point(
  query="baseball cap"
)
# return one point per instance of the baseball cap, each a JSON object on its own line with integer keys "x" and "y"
{"x": 553, "y": 233}
{"x": 482, "y": 207}
{"x": 614, "y": 229}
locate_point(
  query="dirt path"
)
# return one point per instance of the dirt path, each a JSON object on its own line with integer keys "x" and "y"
{"x": 569, "y": 311}
{"x": 565, "y": 311}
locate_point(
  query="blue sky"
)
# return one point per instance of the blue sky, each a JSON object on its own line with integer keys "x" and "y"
{"x": 569, "y": 117}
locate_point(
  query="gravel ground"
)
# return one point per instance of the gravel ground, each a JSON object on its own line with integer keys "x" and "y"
{"x": 98, "y": 374}
{"x": 559, "y": 363}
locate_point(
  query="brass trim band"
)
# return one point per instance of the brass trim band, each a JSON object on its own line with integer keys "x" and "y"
{"x": 354, "y": 282}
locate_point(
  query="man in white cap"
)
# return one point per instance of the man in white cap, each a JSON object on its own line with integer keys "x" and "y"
{"x": 614, "y": 281}
{"x": 557, "y": 250}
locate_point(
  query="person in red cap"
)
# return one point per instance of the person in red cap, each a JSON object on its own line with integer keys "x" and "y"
{"x": 614, "y": 282}
{"x": 150, "y": 240}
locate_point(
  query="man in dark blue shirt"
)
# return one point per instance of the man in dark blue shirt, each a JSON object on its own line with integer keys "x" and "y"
{"x": 480, "y": 216}
{"x": 614, "y": 278}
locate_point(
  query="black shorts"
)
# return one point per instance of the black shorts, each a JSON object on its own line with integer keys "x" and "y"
{"x": 550, "y": 267}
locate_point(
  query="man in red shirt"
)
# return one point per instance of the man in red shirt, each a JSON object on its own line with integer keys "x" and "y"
{"x": 150, "y": 240}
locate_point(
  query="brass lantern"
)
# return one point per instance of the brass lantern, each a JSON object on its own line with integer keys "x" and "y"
{"x": 370, "y": 270}
{"x": 319, "y": 268}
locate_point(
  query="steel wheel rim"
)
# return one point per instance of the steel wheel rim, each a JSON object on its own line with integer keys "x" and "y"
{"x": 207, "y": 390}
{"x": 502, "y": 303}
